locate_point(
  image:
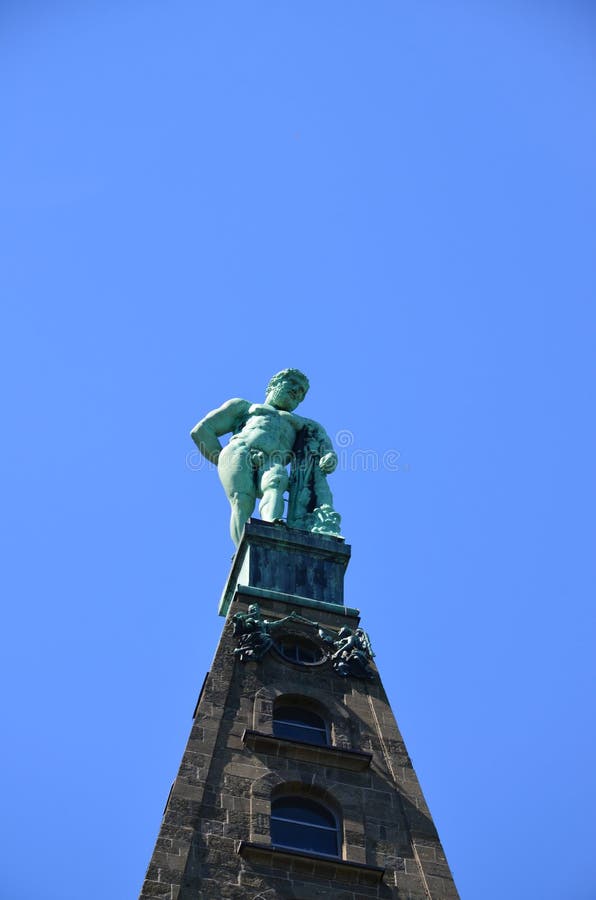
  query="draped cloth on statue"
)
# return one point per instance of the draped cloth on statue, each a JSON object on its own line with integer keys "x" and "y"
{"x": 310, "y": 505}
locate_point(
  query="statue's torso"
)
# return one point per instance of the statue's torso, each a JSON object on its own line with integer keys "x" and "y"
{"x": 268, "y": 429}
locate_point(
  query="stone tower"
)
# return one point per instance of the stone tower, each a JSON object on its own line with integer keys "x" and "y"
{"x": 295, "y": 782}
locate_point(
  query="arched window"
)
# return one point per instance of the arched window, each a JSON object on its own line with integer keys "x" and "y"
{"x": 298, "y": 649}
{"x": 300, "y": 823}
{"x": 299, "y": 724}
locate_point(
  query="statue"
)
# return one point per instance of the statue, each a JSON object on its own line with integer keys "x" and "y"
{"x": 252, "y": 629}
{"x": 266, "y": 438}
{"x": 255, "y": 632}
{"x": 352, "y": 654}
{"x": 349, "y": 651}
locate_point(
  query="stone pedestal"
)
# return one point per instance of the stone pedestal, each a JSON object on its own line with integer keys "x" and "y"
{"x": 285, "y": 561}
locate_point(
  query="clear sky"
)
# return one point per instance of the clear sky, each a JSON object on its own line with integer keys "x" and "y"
{"x": 398, "y": 198}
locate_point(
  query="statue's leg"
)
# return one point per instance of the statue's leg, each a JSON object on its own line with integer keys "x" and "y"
{"x": 274, "y": 481}
{"x": 236, "y": 473}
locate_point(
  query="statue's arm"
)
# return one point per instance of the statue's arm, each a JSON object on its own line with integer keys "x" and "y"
{"x": 276, "y": 622}
{"x": 216, "y": 423}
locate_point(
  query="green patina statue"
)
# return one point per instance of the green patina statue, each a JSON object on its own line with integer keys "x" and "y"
{"x": 266, "y": 438}
{"x": 349, "y": 650}
{"x": 255, "y": 632}
{"x": 353, "y": 653}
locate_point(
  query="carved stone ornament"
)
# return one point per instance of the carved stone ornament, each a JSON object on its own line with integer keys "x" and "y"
{"x": 349, "y": 651}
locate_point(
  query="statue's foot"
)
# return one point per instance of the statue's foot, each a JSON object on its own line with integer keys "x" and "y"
{"x": 279, "y": 522}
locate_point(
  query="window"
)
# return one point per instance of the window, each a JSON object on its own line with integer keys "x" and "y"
{"x": 299, "y": 725}
{"x": 300, "y": 650}
{"x": 299, "y": 823}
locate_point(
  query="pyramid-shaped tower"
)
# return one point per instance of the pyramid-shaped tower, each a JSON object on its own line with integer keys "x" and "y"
{"x": 295, "y": 782}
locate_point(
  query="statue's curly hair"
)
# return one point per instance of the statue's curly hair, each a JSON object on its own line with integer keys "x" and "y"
{"x": 284, "y": 374}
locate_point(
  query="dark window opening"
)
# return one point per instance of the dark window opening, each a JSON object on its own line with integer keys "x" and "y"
{"x": 299, "y": 650}
{"x": 299, "y": 725}
{"x": 298, "y": 823}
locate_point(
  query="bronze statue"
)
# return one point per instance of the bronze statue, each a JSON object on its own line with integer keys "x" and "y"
{"x": 353, "y": 653}
{"x": 252, "y": 629}
{"x": 266, "y": 438}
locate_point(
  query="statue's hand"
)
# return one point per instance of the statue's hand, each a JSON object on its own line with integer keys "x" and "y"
{"x": 328, "y": 463}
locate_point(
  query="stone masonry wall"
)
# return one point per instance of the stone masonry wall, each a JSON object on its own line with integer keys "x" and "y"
{"x": 214, "y": 841}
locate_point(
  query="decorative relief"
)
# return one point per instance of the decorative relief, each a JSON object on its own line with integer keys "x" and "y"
{"x": 353, "y": 654}
{"x": 303, "y": 642}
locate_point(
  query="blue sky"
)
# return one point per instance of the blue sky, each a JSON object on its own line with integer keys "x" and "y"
{"x": 400, "y": 199}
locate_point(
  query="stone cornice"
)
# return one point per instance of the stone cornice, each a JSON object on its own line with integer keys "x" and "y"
{"x": 354, "y": 760}
{"x": 324, "y": 866}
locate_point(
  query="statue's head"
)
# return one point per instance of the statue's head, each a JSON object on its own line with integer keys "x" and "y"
{"x": 287, "y": 389}
{"x": 254, "y": 610}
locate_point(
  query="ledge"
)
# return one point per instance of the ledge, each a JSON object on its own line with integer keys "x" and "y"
{"x": 354, "y": 760}
{"x": 259, "y": 593}
{"x": 313, "y": 863}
